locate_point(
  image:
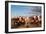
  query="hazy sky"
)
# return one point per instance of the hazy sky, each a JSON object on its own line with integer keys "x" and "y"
{"x": 18, "y": 10}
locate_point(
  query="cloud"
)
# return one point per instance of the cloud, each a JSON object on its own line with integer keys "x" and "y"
{"x": 35, "y": 10}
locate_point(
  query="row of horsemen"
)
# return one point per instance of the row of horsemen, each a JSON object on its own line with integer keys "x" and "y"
{"x": 26, "y": 20}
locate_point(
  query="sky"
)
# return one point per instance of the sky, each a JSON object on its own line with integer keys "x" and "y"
{"x": 19, "y": 10}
